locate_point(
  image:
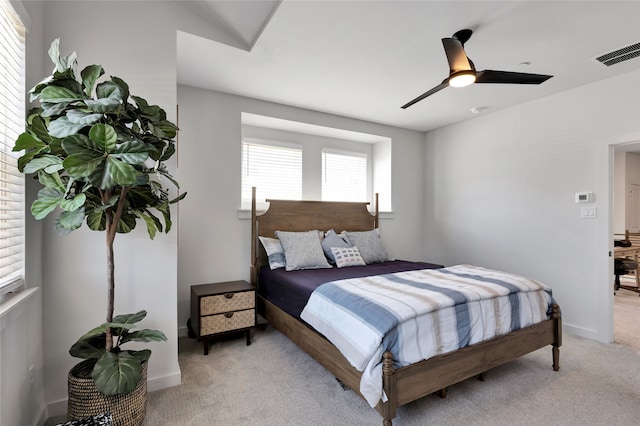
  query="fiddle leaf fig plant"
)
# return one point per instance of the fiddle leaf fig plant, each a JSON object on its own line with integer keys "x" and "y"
{"x": 99, "y": 154}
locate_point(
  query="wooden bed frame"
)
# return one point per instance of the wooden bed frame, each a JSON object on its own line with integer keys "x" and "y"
{"x": 401, "y": 385}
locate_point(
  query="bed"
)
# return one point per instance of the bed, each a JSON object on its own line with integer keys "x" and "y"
{"x": 400, "y": 385}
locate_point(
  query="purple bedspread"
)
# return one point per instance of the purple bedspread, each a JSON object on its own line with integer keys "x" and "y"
{"x": 290, "y": 290}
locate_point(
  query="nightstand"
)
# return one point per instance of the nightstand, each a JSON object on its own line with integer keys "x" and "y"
{"x": 222, "y": 308}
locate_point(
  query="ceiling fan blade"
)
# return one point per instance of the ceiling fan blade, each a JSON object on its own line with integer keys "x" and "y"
{"x": 456, "y": 56}
{"x": 509, "y": 77}
{"x": 424, "y": 95}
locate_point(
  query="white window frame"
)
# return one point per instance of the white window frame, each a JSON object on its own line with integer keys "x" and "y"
{"x": 12, "y": 118}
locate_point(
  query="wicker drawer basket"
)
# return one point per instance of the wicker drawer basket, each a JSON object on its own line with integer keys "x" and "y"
{"x": 227, "y": 322}
{"x": 227, "y": 302}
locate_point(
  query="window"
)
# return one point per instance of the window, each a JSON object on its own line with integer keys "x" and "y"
{"x": 274, "y": 168}
{"x": 344, "y": 176}
{"x": 12, "y": 106}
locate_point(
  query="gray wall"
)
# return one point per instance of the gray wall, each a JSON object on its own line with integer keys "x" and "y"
{"x": 500, "y": 193}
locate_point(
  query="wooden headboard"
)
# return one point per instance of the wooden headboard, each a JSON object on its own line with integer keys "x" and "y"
{"x": 298, "y": 216}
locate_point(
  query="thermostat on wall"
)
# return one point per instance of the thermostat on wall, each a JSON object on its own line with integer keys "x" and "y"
{"x": 584, "y": 197}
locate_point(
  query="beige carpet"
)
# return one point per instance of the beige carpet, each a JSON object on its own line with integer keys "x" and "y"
{"x": 272, "y": 382}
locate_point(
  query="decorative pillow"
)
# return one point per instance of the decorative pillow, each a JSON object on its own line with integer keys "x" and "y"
{"x": 302, "y": 250}
{"x": 98, "y": 420}
{"x": 347, "y": 256}
{"x": 275, "y": 252}
{"x": 370, "y": 245}
{"x": 331, "y": 239}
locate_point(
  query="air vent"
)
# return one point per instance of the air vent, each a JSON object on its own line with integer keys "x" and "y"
{"x": 620, "y": 55}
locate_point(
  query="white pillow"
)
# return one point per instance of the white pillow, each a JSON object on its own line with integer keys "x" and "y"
{"x": 369, "y": 244}
{"x": 302, "y": 250}
{"x": 275, "y": 252}
{"x": 347, "y": 256}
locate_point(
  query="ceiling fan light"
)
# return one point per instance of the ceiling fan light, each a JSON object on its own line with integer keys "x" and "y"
{"x": 462, "y": 78}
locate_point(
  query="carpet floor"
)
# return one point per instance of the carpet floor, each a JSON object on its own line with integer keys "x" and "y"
{"x": 273, "y": 382}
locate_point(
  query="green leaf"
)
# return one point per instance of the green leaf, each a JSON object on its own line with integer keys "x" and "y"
{"x": 52, "y": 110}
{"x": 69, "y": 221}
{"x": 39, "y": 129}
{"x": 145, "y": 336}
{"x": 54, "y": 54}
{"x": 124, "y": 87}
{"x": 57, "y": 94}
{"x": 26, "y": 158}
{"x": 40, "y": 163}
{"x": 143, "y": 355}
{"x": 77, "y": 116}
{"x": 51, "y": 180}
{"x": 108, "y": 89}
{"x": 74, "y": 203}
{"x": 103, "y": 105}
{"x": 96, "y": 220}
{"x": 48, "y": 200}
{"x": 126, "y": 224}
{"x": 116, "y": 374}
{"x": 152, "y": 225}
{"x": 26, "y": 141}
{"x": 130, "y": 318}
{"x": 76, "y": 144}
{"x": 122, "y": 173}
{"x": 83, "y": 164}
{"x": 104, "y": 135}
{"x": 93, "y": 347}
{"x": 131, "y": 152}
{"x": 62, "y": 127}
{"x": 89, "y": 77}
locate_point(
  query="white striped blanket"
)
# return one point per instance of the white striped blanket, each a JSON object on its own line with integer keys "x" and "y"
{"x": 419, "y": 314}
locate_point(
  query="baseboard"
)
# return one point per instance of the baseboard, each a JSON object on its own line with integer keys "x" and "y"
{"x": 42, "y": 418}
{"x": 57, "y": 408}
{"x": 587, "y": 333}
{"x": 164, "y": 382}
{"x": 183, "y": 331}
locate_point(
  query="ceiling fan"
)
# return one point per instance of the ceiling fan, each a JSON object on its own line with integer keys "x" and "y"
{"x": 463, "y": 72}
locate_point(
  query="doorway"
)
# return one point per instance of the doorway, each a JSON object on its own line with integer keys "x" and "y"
{"x": 626, "y": 216}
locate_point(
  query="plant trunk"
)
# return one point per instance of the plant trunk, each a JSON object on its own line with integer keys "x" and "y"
{"x": 112, "y": 220}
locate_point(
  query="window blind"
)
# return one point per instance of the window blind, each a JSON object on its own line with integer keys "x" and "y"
{"x": 12, "y": 116}
{"x": 275, "y": 170}
{"x": 344, "y": 176}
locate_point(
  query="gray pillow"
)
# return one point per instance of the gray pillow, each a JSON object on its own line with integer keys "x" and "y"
{"x": 331, "y": 239}
{"x": 302, "y": 250}
{"x": 370, "y": 245}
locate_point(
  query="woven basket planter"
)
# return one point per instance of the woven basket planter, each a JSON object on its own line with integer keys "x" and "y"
{"x": 85, "y": 400}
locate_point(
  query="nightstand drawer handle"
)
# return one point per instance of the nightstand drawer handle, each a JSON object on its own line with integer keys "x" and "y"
{"x": 228, "y": 314}
{"x": 229, "y": 295}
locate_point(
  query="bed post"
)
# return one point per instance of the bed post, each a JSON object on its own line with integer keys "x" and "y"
{"x": 253, "y": 272}
{"x": 557, "y": 336}
{"x": 377, "y": 218}
{"x": 388, "y": 409}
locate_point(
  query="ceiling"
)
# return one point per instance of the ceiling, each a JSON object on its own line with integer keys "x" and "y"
{"x": 365, "y": 59}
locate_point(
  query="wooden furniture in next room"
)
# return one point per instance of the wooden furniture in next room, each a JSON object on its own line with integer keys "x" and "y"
{"x": 221, "y": 308}
{"x": 631, "y": 252}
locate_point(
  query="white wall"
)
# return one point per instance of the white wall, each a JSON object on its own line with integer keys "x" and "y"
{"x": 214, "y": 243}
{"x": 500, "y": 193}
{"x": 619, "y": 192}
